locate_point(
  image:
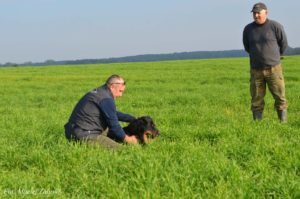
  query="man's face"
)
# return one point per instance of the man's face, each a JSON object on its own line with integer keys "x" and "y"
{"x": 260, "y": 17}
{"x": 117, "y": 88}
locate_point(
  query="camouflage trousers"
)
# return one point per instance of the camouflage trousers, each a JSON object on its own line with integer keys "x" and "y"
{"x": 102, "y": 140}
{"x": 273, "y": 78}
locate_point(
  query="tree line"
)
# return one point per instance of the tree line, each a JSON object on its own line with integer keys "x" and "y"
{"x": 151, "y": 57}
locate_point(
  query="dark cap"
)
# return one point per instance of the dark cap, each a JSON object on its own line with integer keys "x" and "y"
{"x": 258, "y": 7}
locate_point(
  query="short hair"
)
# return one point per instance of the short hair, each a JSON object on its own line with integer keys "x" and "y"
{"x": 112, "y": 79}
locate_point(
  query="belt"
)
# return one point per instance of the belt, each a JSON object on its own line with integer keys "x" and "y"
{"x": 266, "y": 67}
{"x": 263, "y": 68}
{"x": 80, "y": 133}
{"x": 91, "y": 132}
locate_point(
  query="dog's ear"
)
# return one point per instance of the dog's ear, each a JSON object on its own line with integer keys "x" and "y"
{"x": 141, "y": 125}
{"x": 149, "y": 122}
{"x": 146, "y": 120}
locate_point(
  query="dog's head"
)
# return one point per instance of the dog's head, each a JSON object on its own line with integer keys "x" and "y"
{"x": 143, "y": 128}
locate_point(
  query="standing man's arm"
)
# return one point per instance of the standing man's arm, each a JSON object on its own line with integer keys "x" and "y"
{"x": 245, "y": 41}
{"x": 281, "y": 39}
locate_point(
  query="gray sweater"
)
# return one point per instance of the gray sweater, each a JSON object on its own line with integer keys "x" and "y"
{"x": 265, "y": 43}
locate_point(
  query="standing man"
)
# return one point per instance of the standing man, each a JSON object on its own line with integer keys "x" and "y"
{"x": 265, "y": 41}
{"x": 95, "y": 118}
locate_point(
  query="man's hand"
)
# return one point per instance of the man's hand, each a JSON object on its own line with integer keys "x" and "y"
{"x": 131, "y": 139}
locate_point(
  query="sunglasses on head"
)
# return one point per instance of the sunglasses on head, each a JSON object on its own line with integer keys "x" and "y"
{"x": 122, "y": 83}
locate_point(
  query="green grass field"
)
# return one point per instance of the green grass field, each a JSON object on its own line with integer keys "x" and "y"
{"x": 209, "y": 146}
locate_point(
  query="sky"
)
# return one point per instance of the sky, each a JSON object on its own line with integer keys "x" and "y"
{"x": 40, "y": 30}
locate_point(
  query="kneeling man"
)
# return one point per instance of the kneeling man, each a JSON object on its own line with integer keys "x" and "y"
{"x": 95, "y": 118}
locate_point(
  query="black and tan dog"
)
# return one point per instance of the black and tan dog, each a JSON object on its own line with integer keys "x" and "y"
{"x": 143, "y": 128}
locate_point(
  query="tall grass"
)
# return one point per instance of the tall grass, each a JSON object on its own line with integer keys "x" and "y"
{"x": 209, "y": 146}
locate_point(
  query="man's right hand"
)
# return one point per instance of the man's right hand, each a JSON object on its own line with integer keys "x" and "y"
{"x": 131, "y": 139}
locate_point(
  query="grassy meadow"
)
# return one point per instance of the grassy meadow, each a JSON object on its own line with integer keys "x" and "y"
{"x": 209, "y": 145}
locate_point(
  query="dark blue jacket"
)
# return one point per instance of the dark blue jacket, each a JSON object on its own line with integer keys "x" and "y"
{"x": 96, "y": 111}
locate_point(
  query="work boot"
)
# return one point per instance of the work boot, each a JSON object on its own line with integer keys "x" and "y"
{"x": 257, "y": 115}
{"x": 282, "y": 115}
